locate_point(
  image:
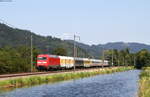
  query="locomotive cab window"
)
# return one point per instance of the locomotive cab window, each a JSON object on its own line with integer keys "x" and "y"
{"x": 41, "y": 58}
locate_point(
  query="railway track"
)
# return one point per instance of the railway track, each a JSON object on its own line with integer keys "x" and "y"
{"x": 31, "y": 73}
{"x": 21, "y": 74}
{"x": 39, "y": 73}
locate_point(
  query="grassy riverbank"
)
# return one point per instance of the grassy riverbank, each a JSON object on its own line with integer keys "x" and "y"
{"x": 35, "y": 80}
{"x": 144, "y": 83}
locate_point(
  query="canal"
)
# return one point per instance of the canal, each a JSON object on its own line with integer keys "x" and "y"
{"x": 122, "y": 84}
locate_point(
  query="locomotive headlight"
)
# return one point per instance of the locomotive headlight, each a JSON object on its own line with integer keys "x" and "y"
{"x": 41, "y": 62}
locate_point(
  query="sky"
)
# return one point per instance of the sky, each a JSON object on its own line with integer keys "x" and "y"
{"x": 95, "y": 21}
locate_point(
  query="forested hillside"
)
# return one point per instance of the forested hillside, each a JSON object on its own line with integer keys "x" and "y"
{"x": 96, "y": 50}
{"x": 16, "y": 37}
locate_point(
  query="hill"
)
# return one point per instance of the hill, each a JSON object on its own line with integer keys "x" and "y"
{"x": 16, "y": 37}
{"x": 96, "y": 50}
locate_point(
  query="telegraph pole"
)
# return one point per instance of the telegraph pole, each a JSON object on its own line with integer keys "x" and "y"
{"x": 103, "y": 57}
{"x": 134, "y": 60}
{"x": 26, "y": 48}
{"x": 112, "y": 58}
{"x": 75, "y": 50}
{"x": 74, "y": 53}
{"x": 31, "y": 51}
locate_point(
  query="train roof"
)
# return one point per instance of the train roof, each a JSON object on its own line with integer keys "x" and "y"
{"x": 67, "y": 57}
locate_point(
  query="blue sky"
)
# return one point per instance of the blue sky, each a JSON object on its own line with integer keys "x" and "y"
{"x": 95, "y": 21}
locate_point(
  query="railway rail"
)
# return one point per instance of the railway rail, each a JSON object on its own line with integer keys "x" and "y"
{"x": 39, "y": 73}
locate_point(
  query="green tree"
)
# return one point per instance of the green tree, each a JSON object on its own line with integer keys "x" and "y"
{"x": 143, "y": 58}
{"x": 123, "y": 57}
{"x": 17, "y": 59}
{"x": 60, "y": 51}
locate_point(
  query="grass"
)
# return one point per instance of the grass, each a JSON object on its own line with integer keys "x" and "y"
{"x": 144, "y": 83}
{"x": 35, "y": 80}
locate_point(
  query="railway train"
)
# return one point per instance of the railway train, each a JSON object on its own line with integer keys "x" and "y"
{"x": 46, "y": 61}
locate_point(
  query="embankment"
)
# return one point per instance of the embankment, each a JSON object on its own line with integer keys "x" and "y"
{"x": 35, "y": 80}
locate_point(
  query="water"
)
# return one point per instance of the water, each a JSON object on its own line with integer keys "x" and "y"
{"x": 123, "y": 84}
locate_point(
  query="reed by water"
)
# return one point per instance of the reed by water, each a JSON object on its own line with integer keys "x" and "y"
{"x": 144, "y": 83}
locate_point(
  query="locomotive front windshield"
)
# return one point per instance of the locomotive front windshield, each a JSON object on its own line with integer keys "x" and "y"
{"x": 41, "y": 58}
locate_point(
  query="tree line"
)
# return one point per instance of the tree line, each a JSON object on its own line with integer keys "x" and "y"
{"x": 126, "y": 58}
{"x": 17, "y": 59}
{"x": 13, "y": 60}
